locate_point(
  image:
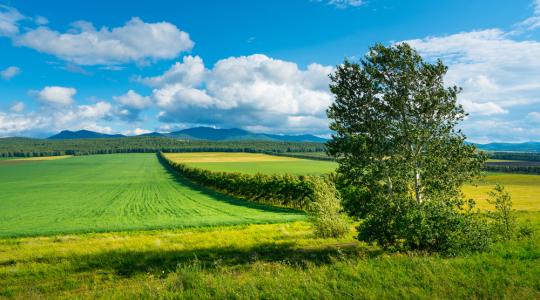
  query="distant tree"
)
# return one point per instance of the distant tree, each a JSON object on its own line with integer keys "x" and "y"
{"x": 401, "y": 159}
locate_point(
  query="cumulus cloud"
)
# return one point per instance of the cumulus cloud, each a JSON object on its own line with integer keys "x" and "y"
{"x": 9, "y": 18}
{"x": 499, "y": 74}
{"x": 84, "y": 44}
{"x": 51, "y": 119}
{"x": 253, "y": 91}
{"x": 189, "y": 72}
{"x": 9, "y": 72}
{"x": 131, "y": 104}
{"x": 56, "y": 95}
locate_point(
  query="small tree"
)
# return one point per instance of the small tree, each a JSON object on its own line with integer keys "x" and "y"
{"x": 325, "y": 211}
{"x": 503, "y": 216}
{"x": 401, "y": 160}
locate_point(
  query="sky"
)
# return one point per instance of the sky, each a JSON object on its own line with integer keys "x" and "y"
{"x": 133, "y": 67}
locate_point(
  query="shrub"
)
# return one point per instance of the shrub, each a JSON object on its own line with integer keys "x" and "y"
{"x": 434, "y": 226}
{"x": 326, "y": 212}
{"x": 504, "y": 220}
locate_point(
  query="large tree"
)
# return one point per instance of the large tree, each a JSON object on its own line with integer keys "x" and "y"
{"x": 401, "y": 159}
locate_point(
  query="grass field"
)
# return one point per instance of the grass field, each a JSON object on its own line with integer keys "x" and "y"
{"x": 251, "y": 163}
{"x": 279, "y": 261}
{"x": 114, "y": 192}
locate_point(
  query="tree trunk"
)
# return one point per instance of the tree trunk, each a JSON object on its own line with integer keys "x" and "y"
{"x": 417, "y": 184}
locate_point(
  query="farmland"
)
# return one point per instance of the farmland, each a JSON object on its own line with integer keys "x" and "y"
{"x": 253, "y": 163}
{"x": 124, "y": 226}
{"x": 111, "y": 193}
{"x": 525, "y": 189}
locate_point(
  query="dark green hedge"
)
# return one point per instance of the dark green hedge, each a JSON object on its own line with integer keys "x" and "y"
{"x": 282, "y": 190}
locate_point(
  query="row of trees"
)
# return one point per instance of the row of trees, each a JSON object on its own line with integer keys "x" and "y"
{"x": 316, "y": 195}
{"x": 281, "y": 189}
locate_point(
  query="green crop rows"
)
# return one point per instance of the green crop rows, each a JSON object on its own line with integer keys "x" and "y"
{"x": 111, "y": 193}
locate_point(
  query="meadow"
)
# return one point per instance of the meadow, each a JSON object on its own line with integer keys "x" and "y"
{"x": 111, "y": 193}
{"x": 273, "y": 261}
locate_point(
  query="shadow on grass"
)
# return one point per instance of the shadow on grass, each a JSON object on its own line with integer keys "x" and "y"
{"x": 131, "y": 263}
{"x": 174, "y": 175}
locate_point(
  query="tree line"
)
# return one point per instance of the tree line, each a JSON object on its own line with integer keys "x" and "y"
{"x": 279, "y": 189}
{"x": 25, "y": 147}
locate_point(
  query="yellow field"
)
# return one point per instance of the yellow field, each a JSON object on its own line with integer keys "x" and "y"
{"x": 205, "y": 157}
{"x": 31, "y": 159}
{"x": 524, "y": 189}
{"x": 42, "y": 158}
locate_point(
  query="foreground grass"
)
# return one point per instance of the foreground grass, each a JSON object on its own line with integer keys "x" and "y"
{"x": 114, "y": 192}
{"x": 254, "y": 261}
{"x": 252, "y": 163}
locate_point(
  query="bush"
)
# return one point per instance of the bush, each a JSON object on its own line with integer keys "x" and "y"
{"x": 326, "y": 212}
{"x": 434, "y": 226}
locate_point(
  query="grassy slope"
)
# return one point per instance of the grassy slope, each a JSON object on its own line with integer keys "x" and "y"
{"x": 113, "y": 192}
{"x": 254, "y": 163}
{"x": 255, "y": 261}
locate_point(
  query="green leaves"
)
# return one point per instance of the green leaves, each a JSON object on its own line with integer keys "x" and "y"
{"x": 402, "y": 162}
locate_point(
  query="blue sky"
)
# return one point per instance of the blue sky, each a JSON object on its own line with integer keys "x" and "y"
{"x": 121, "y": 66}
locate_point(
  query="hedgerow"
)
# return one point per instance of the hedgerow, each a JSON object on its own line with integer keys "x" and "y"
{"x": 279, "y": 189}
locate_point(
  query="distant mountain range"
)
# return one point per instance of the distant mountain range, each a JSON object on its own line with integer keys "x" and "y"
{"x": 196, "y": 133}
{"x": 236, "y": 134}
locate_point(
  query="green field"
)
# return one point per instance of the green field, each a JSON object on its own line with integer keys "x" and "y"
{"x": 253, "y": 163}
{"x": 114, "y": 192}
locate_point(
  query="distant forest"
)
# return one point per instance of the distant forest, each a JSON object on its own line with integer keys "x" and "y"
{"x": 26, "y": 147}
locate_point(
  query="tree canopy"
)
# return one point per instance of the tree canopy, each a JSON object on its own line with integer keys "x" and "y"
{"x": 396, "y": 142}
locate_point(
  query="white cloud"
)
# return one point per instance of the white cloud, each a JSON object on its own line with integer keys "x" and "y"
{"x": 17, "y": 107}
{"x": 10, "y": 72}
{"x": 9, "y": 18}
{"x": 40, "y": 20}
{"x": 51, "y": 119}
{"x": 534, "y": 117}
{"x": 190, "y": 72}
{"x": 496, "y": 72}
{"x": 133, "y": 100}
{"x": 131, "y": 104}
{"x": 484, "y": 109}
{"x": 136, "y": 131}
{"x": 532, "y": 22}
{"x": 56, "y": 95}
{"x": 244, "y": 91}
{"x": 83, "y": 44}
{"x": 342, "y": 3}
